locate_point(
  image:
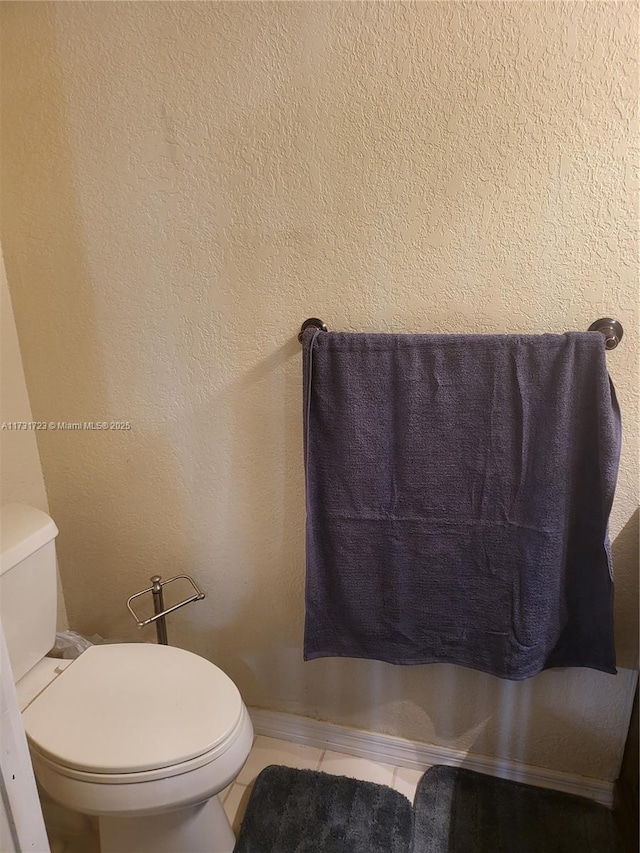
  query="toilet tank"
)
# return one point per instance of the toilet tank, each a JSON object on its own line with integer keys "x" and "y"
{"x": 28, "y": 595}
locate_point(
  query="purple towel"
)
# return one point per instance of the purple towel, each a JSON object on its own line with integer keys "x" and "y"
{"x": 458, "y": 496}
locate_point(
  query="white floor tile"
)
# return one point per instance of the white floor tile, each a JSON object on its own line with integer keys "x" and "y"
{"x": 267, "y": 750}
{"x": 235, "y": 805}
{"x": 406, "y": 780}
{"x": 357, "y": 768}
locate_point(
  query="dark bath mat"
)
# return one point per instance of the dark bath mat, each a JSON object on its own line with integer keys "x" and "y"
{"x": 305, "y": 811}
{"x": 460, "y": 811}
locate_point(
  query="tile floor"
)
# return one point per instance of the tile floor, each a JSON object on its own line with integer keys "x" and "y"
{"x": 268, "y": 750}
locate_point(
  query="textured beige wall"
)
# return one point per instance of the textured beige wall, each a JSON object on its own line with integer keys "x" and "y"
{"x": 20, "y": 471}
{"x": 185, "y": 183}
{"x": 21, "y": 478}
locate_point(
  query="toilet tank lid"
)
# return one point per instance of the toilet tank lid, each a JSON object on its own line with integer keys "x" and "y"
{"x": 23, "y": 530}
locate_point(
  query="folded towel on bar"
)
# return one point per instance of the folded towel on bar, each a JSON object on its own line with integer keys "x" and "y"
{"x": 458, "y": 495}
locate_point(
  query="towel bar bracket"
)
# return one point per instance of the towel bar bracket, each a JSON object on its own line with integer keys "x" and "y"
{"x": 610, "y": 328}
{"x": 312, "y": 323}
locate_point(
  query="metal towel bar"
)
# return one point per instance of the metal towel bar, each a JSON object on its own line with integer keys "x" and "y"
{"x": 611, "y": 329}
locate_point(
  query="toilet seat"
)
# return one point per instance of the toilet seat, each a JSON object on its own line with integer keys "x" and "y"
{"x": 103, "y": 777}
{"x": 147, "y": 792}
{"x": 133, "y": 712}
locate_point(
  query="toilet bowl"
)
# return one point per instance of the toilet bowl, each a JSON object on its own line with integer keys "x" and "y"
{"x": 144, "y": 737}
{"x": 141, "y": 736}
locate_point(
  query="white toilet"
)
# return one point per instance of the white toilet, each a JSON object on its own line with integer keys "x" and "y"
{"x": 143, "y": 736}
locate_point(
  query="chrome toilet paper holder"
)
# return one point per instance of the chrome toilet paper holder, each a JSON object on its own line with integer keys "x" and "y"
{"x": 160, "y": 613}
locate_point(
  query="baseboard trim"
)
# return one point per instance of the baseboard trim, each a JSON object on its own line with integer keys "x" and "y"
{"x": 406, "y": 753}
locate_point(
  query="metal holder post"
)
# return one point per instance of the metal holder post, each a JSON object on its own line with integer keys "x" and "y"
{"x": 158, "y": 604}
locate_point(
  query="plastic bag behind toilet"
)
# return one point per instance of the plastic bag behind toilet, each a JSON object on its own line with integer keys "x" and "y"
{"x": 70, "y": 645}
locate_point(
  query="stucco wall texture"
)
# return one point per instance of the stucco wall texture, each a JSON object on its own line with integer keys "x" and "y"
{"x": 184, "y": 183}
{"x": 21, "y": 479}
